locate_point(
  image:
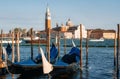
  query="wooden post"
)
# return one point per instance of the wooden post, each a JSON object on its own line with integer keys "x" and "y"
{"x": 87, "y": 47}
{"x": 118, "y": 49}
{"x": 115, "y": 49}
{"x": 56, "y": 39}
{"x": 13, "y": 56}
{"x": 48, "y": 44}
{"x": 81, "y": 45}
{"x": 31, "y": 43}
{"x": 18, "y": 51}
{"x": 64, "y": 44}
{"x": 58, "y": 44}
{"x": 1, "y": 44}
{"x": 15, "y": 46}
{"x": 39, "y": 43}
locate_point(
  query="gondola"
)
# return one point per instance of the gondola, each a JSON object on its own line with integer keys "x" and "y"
{"x": 68, "y": 64}
{"x": 31, "y": 65}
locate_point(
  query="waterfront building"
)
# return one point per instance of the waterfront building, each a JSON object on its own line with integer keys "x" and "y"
{"x": 71, "y": 30}
{"x": 67, "y": 35}
{"x": 96, "y": 34}
{"x": 75, "y": 30}
{"x": 101, "y": 33}
{"x": 109, "y": 34}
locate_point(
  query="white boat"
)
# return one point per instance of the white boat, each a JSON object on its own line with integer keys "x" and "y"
{"x": 9, "y": 41}
{"x": 97, "y": 40}
{"x": 35, "y": 40}
{"x": 28, "y": 38}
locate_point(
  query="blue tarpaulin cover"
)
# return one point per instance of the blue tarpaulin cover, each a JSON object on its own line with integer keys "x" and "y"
{"x": 53, "y": 52}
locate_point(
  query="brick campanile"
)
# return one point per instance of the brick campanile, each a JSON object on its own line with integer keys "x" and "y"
{"x": 47, "y": 19}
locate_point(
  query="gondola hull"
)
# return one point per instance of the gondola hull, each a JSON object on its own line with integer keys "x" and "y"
{"x": 25, "y": 68}
{"x": 38, "y": 69}
{"x": 18, "y": 69}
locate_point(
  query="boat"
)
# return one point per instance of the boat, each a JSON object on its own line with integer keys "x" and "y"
{"x": 35, "y": 40}
{"x": 31, "y": 65}
{"x": 97, "y": 40}
{"x": 9, "y": 41}
{"x": 68, "y": 64}
{"x": 24, "y": 67}
{"x": 2, "y": 66}
{"x": 3, "y": 59}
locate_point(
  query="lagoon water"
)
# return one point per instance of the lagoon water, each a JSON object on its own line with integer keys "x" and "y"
{"x": 100, "y": 61}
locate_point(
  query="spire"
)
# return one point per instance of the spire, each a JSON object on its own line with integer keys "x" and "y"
{"x": 47, "y": 18}
{"x": 48, "y": 10}
{"x": 48, "y": 15}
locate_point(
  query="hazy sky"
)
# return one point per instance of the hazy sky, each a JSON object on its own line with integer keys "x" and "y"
{"x": 31, "y": 13}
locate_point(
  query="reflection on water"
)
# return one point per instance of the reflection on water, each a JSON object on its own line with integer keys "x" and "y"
{"x": 32, "y": 77}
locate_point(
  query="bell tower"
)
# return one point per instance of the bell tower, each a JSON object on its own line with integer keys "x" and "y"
{"x": 47, "y": 19}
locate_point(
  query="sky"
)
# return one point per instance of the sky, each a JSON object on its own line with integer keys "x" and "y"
{"x": 93, "y": 14}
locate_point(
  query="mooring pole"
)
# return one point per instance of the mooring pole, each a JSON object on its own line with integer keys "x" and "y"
{"x": 48, "y": 44}
{"x": 80, "y": 45}
{"x": 64, "y": 44}
{"x": 87, "y": 47}
{"x": 115, "y": 49}
{"x": 58, "y": 44}
{"x": 18, "y": 51}
{"x": 31, "y": 43}
{"x": 39, "y": 43}
{"x": 15, "y": 47}
{"x": 56, "y": 39}
{"x": 1, "y": 44}
{"x": 13, "y": 56}
{"x": 118, "y": 49}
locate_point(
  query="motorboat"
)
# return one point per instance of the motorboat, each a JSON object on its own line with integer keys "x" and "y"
{"x": 35, "y": 40}
{"x": 97, "y": 40}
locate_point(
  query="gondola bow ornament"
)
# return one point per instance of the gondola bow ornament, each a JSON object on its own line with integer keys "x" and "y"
{"x": 47, "y": 67}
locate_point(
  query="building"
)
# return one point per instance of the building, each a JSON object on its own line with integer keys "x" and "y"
{"x": 101, "y": 33}
{"x": 109, "y": 34}
{"x": 69, "y": 30}
{"x": 47, "y": 19}
{"x": 73, "y": 30}
{"x": 96, "y": 34}
{"x": 67, "y": 35}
